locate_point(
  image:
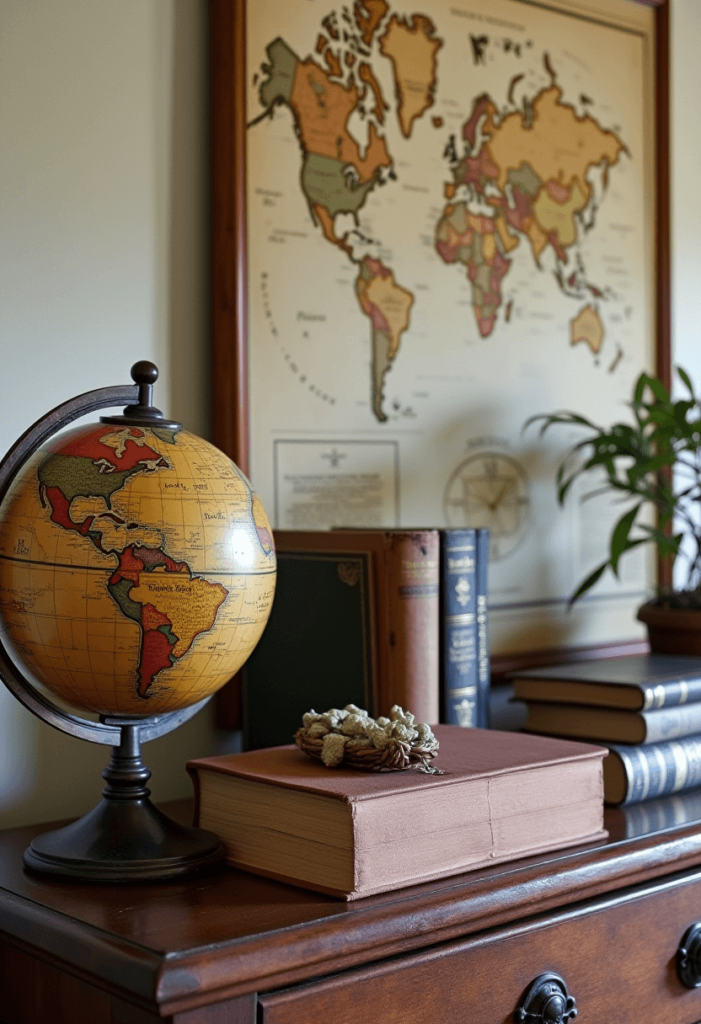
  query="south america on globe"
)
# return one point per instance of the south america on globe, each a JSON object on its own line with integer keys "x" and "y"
{"x": 137, "y": 568}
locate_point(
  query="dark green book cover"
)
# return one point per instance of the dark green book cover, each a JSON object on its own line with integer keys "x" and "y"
{"x": 316, "y": 651}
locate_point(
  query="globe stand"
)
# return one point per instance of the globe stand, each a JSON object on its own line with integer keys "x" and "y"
{"x": 124, "y": 838}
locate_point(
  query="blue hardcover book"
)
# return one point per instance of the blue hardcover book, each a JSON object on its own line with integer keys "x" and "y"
{"x": 459, "y": 628}
{"x": 635, "y": 773}
{"x": 484, "y": 666}
{"x": 639, "y": 682}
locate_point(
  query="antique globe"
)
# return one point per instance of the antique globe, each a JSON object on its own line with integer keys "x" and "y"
{"x": 137, "y": 573}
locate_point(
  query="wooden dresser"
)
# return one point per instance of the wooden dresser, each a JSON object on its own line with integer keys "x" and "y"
{"x": 235, "y": 949}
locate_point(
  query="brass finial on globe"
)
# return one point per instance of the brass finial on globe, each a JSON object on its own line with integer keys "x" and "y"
{"x": 137, "y": 573}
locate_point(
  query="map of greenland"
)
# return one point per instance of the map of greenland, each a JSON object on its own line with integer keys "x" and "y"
{"x": 521, "y": 173}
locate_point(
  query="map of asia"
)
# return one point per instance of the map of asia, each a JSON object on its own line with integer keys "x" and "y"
{"x": 449, "y": 232}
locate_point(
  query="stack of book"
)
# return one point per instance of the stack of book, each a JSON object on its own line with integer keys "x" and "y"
{"x": 372, "y": 618}
{"x": 350, "y": 833}
{"x": 646, "y": 709}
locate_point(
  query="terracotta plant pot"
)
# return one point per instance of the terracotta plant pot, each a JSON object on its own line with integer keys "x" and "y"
{"x": 672, "y": 630}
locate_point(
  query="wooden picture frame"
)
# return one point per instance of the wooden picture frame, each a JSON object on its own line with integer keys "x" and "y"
{"x": 230, "y": 285}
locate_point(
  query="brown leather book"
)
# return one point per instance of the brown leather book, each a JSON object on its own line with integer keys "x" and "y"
{"x": 611, "y": 725}
{"x": 351, "y": 834}
{"x": 355, "y": 620}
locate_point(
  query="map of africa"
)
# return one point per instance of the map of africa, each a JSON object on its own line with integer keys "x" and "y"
{"x": 532, "y": 170}
{"x": 136, "y": 568}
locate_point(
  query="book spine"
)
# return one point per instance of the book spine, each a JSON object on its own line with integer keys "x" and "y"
{"x": 484, "y": 666}
{"x": 459, "y": 627}
{"x": 671, "y": 693}
{"x": 659, "y": 768}
{"x": 672, "y": 723}
{"x": 410, "y": 578}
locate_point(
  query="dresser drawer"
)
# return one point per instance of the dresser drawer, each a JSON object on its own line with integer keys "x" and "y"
{"x": 617, "y": 957}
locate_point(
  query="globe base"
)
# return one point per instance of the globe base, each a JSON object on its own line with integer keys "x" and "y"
{"x": 118, "y": 843}
{"x": 125, "y": 838}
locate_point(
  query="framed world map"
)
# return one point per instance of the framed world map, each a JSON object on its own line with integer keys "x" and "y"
{"x": 432, "y": 221}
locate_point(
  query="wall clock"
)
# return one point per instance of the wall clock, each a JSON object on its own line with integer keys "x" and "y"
{"x": 490, "y": 489}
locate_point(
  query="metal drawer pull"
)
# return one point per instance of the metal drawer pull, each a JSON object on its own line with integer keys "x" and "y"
{"x": 689, "y": 957}
{"x": 547, "y": 1001}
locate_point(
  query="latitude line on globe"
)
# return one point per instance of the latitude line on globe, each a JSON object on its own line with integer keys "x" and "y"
{"x": 107, "y": 568}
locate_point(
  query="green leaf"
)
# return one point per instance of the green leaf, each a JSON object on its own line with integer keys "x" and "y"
{"x": 659, "y": 390}
{"x": 640, "y": 388}
{"x": 567, "y": 418}
{"x": 619, "y": 537}
{"x": 693, "y": 427}
{"x": 563, "y": 489}
{"x": 686, "y": 380}
{"x": 588, "y": 583}
{"x": 659, "y": 462}
{"x": 666, "y": 544}
{"x": 682, "y": 409}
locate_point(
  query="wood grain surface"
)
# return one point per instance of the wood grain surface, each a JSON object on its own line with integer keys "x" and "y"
{"x": 177, "y": 947}
{"x": 616, "y": 957}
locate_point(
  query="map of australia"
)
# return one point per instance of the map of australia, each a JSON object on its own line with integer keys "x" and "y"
{"x": 525, "y": 169}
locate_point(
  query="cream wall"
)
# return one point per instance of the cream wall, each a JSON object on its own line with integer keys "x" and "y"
{"x": 103, "y": 260}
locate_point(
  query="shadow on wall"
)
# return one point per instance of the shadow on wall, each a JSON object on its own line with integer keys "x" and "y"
{"x": 185, "y": 256}
{"x": 46, "y": 775}
{"x": 17, "y": 772}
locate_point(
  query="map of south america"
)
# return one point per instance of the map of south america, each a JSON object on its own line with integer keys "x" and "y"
{"x": 387, "y": 306}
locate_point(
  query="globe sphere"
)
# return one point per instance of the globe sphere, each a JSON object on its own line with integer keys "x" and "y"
{"x": 137, "y": 568}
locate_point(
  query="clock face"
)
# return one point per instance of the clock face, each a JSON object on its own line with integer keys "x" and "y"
{"x": 489, "y": 489}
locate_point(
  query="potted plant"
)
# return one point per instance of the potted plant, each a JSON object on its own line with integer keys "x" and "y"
{"x": 653, "y": 462}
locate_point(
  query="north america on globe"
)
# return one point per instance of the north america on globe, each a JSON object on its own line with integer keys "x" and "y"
{"x": 526, "y": 168}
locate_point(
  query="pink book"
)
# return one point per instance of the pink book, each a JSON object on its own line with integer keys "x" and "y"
{"x": 351, "y": 834}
